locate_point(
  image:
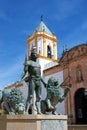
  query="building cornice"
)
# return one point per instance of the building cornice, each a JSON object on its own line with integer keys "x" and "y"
{"x": 46, "y": 58}
{"x": 43, "y": 34}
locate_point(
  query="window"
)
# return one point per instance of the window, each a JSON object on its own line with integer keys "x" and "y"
{"x": 79, "y": 76}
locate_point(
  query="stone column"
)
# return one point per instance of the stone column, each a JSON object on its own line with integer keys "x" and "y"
{"x": 44, "y": 47}
{"x": 54, "y": 51}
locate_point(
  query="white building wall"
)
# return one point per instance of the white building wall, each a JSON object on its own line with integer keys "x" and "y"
{"x": 42, "y": 62}
{"x": 58, "y": 75}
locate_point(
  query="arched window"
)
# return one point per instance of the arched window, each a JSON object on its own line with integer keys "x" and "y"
{"x": 49, "y": 53}
{"x": 79, "y": 76}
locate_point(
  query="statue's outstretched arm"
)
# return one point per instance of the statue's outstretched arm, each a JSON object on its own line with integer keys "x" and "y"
{"x": 23, "y": 74}
{"x": 21, "y": 78}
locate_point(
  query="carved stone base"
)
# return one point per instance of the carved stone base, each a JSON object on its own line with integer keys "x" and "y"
{"x": 33, "y": 122}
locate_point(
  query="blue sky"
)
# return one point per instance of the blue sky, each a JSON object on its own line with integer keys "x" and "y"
{"x": 19, "y": 18}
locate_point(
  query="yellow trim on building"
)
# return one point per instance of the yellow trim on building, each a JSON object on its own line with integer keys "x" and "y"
{"x": 36, "y": 41}
{"x": 46, "y": 58}
{"x": 53, "y": 38}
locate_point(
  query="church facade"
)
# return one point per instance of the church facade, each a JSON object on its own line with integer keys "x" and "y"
{"x": 73, "y": 63}
{"x": 70, "y": 69}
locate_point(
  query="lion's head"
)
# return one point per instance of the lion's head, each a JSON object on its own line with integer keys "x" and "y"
{"x": 53, "y": 81}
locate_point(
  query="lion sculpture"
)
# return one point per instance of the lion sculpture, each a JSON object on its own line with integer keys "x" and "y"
{"x": 54, "y": 96}
{"x": 12, "y": 101}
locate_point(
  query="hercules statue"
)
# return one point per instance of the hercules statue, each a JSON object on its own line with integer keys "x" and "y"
{"x": 34, "y": 78}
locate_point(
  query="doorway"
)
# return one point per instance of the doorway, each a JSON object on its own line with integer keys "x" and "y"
{"x": 81, "y": 106}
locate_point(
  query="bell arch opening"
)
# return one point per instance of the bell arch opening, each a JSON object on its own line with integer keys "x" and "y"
{"x": 49, "y": 51}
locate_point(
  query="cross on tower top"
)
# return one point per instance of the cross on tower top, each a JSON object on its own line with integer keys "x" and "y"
{"x": 41, "y": 17}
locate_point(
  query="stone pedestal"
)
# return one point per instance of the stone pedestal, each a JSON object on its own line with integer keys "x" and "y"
{"x": 33, "y": 122}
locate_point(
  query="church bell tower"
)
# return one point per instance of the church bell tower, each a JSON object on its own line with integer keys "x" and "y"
{"x": 46, "y": 44}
